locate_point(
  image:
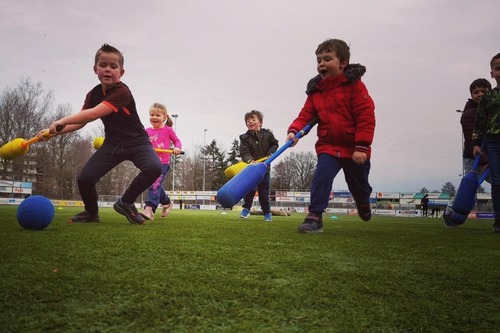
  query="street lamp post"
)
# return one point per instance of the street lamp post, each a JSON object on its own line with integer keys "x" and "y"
{"x": 175, "y": 158}
{"x": 204, "y": 159}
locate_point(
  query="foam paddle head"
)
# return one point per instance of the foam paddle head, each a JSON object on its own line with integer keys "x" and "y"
{"x": 98, "y": 142}
{"x": 13, "y": 149}
{"x": 233, "y": 170}
{"x": 235, "y": 189}
{"x": 458, "y": 219}
{"x": 465, "y": 199}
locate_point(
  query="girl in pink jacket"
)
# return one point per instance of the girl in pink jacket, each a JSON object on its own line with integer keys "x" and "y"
{"x": 161, "y": 135}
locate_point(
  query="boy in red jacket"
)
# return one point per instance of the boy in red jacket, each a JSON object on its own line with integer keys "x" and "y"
{"x": 345, "y": 130}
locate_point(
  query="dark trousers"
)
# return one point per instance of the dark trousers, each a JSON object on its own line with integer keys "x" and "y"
{"x": 356, "y": 177}
{"x": 425, "y": 210}
{"x": 109, "y": 156}
{"x": 263, "y": 189}
{"x": 493, "y": 148}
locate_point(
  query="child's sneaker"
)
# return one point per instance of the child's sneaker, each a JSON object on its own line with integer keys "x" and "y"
{"x": 166, "y": 209}
{"x": 148, "y": 213}
{"x": 129, "y": 211}
{"x": 85, "y": 217}
{"x": 268, "y": 217}
{"x": 245, "y": 213}
{"x": 364, "y": 211}
{"x": 312, "y": 224}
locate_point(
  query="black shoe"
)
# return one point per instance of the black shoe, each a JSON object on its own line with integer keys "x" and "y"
{"x": 364, "y": 211}
{"x": 85, "y": 217}
{"x": 496, "y": 227}
{"x": 312, "y": 224}
{"x": 129, "y": 211}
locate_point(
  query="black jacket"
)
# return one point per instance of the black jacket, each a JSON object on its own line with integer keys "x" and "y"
{"x": 467, "y": 121}
{"x": 255, "y": 145}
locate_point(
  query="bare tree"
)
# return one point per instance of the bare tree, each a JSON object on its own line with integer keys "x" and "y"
{"x": 185, "y": 173}
{"x": 189, "y": 170}
{"x": 116, "y": 181}
{"x": 77, "y": 157}
{"x": 281, "y": 176}
{"x": 57, "y": 153}
{"x": 303, "y": 165}
{"x": 295, "y": 172}
{"x": 24, "y": 110}
{"x": 23, "y": 113}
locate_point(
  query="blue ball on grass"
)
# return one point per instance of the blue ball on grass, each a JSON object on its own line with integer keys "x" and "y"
{"x": 35, "y": 212}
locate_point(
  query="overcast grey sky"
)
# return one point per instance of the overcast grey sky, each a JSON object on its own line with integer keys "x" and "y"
{"x": 212, "y": 61}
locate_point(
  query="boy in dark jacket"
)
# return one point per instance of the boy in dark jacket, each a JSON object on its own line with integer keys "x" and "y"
{"x": 255, "y": 144}
{"x": 477, "y": 89}
{"x": 345, "y": 130}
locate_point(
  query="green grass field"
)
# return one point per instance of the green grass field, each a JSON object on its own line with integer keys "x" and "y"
{"x": 202, "y": 271}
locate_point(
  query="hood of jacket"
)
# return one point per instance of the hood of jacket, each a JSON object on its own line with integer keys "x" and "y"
{"x": 470, "y": 104}
{"x": 351, "y": 73}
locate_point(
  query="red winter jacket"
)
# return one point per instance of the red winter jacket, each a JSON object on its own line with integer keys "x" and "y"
{"x": 346, "y": 113}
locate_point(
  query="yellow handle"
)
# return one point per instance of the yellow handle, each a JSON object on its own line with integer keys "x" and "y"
{"x": 262, "y": 159}
{"x": 159, "y": 150}
{"x": 35, "y": 139}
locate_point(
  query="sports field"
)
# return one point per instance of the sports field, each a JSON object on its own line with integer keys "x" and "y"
{"x": 203, "y": 271}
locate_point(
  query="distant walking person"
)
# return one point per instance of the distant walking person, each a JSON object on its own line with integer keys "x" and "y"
{"x": 424, "y": 202}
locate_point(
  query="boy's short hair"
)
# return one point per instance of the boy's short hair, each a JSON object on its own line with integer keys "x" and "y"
{"x": 256, "y": 113}
{"x": 338, "y": 46}
{"x": 480, "y": 83}
{"x": 493, "y": 60}
{"x": 106, "y": 48}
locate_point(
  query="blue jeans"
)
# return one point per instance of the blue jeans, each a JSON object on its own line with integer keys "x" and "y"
{"x": 356, "y": 176}
{"x": 156, "y": 193}
{"x": 493, "y": 149}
